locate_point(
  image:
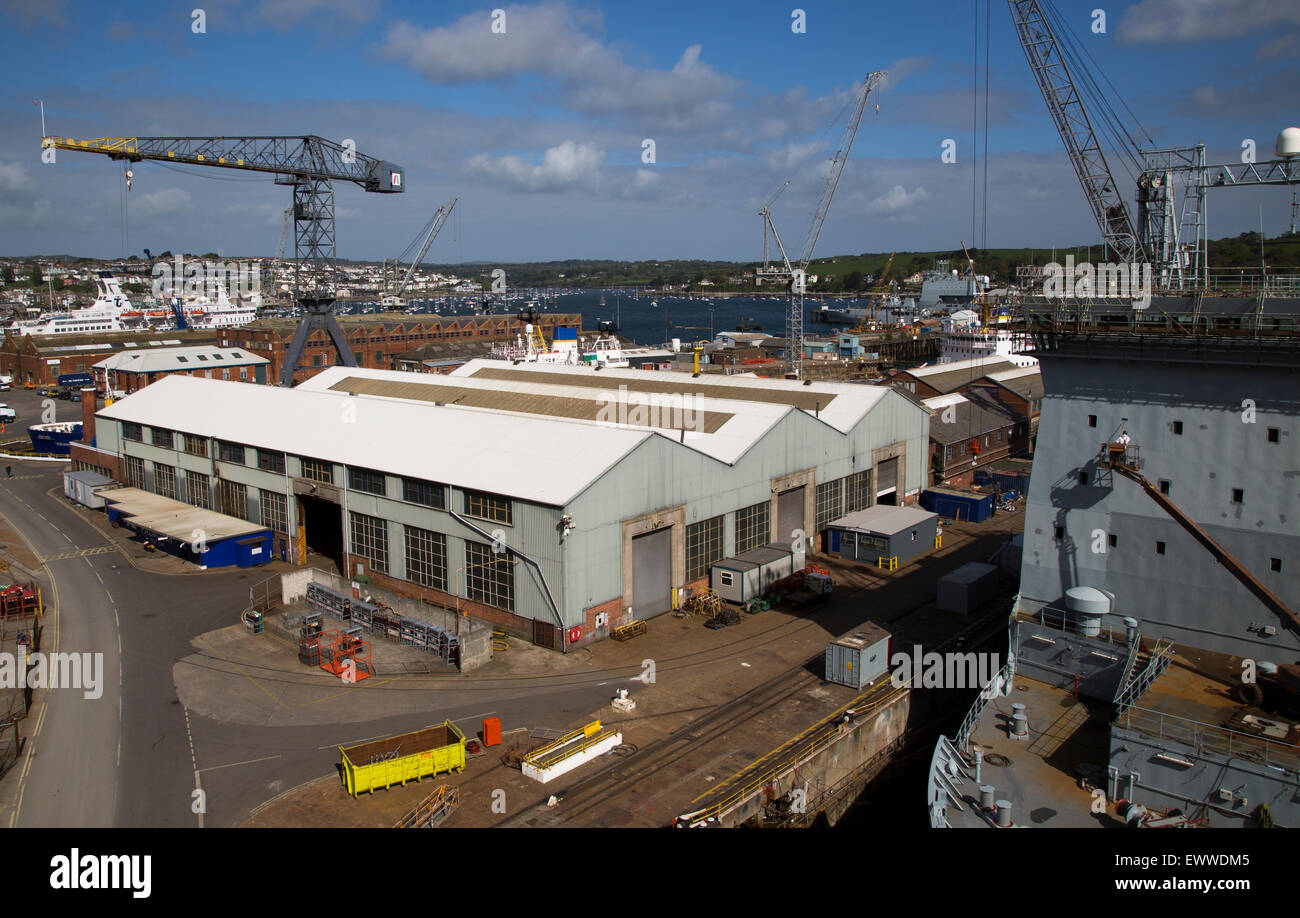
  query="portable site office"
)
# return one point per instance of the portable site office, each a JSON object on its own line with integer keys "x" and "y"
{"x": 883, "y": 532}
{"x": 751, "y": 574}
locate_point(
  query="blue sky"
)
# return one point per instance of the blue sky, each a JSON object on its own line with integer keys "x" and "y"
{"x": 540, "y": 129}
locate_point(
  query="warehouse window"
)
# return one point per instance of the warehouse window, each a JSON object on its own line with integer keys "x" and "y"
{"x": 1160, "y": 548}
{"x": 1238, "y": 496}
{"x": 1165, "y": 485}
{"x": 1275, "y": 565}
{"x": 426, "y": 557}
{"x": 753, "y": 527}
{"x": 1112, "y": 540}
{"x": 132, "y": 431}
{"x": 1178, "y": 427}
{"x": 230, "y": 452}
{"x": 857, "y": 491}
{"x": 830, "y": 497}
{"x": 234, "y": 499}
{"x": 1092, "y": 420}
{"x": 1058, "y": 533}
{"x": 274, "y": 507}
{"x": 196, "y": 445}
{"x": 727, "y": 578}
{"x": 367, "y": 480}
{"x": 164, "y": 480}
{"x": 488, "y": 506}
{"x": 370, "y": 540}
{"x": 196, "y": 490}
{"x": 703, "y": 546}
{"x": 489, "y": 577}
{"x": 425, "y": 493}
{"x": 134, "y": 468}
{"x": 1083, "y": 478}
{"x": 316, "y": 470}
{"x": 161, "y": 436}
{"x": 270, "y": 460}
{"x": 1274, "y": 435}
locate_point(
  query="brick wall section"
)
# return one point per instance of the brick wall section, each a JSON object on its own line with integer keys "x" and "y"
{"x": 376, "y": 344}
{"x": 617, "y": 615}
{"x": 107, "y": 463}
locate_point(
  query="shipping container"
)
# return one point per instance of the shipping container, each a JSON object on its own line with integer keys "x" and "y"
{"x": 967, "y": 588}
{"x": 857, "y": 659}
{"x": 883, "y": 531}
{"x": 952, "y": 504}
{"x": 751, "y": 574}
{"x": 398, "y": 759}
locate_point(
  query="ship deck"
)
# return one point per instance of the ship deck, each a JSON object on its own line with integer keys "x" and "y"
{"x": 1039, "y": 775}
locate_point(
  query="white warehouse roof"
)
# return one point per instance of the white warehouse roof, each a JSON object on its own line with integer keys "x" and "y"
{"x": 543, "y": 460}
{"x": 170, "y": 359}
{"x": 537, "y": 433}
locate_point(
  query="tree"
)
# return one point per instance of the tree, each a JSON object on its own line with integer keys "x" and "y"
{"x": 7, "y": 274}
{"x": 34, "y": 274}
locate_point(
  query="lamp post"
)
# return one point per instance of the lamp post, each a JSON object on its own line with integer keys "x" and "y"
{"x": 466, "y": 567}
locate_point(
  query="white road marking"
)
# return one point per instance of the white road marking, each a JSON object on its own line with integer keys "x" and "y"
{"x": 265, "y": 758}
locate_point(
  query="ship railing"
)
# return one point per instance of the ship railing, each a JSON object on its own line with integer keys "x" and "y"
{"x": 1208, "y": 739}
{"x": 994, "y": 688}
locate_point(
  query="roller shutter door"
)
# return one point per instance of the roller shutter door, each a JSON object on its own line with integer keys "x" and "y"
{"x": 652, "y": 573}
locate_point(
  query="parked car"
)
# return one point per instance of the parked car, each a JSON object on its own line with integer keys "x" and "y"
{"x": 5, "y": 387}
{"x": 7, "y": 413}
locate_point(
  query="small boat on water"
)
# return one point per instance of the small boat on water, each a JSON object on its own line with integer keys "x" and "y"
{"x": 54, "y": 438}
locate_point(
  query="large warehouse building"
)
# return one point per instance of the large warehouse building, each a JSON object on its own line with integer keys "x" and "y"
{"x": 558, "y": 501}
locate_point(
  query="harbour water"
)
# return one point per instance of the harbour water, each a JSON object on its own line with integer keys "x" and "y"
{"x": 647, "y": 320}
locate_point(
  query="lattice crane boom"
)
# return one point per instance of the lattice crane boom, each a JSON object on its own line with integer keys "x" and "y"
{"x": 1066, "y": 107}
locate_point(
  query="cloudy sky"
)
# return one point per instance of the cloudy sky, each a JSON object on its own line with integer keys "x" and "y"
{"x": 540, "y": 128}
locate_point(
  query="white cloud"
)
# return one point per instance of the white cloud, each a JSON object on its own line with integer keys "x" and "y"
{"x": 161, "y": 203}
{"x": 1202, "y": 20}
{"x": 560, "y": 43}
{"x": 898, "y": 201}
{"x": 567, "y": 165}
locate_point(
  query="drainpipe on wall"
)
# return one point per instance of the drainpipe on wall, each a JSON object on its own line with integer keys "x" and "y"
{"x": 559, "y": 619}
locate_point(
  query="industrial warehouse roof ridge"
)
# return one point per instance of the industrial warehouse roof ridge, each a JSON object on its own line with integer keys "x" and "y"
{"x": 726, "y": 430}
{"x": 544, "y": 460}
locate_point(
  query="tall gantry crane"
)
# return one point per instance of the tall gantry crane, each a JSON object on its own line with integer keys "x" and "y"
{"x": 311, "y": 165}
{"x": 1174, "y": 245}
{"x": 393, "y": 295}
{"x": 797, "y": 272}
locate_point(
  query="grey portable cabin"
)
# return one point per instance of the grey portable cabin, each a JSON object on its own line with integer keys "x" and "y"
{"x": 858, "y": 658}
{"x": 83, "y": 487}
{"x": 751, "y": 574}
{"x": 883, "y": 532}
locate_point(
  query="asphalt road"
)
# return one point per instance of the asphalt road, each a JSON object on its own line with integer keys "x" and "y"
{"x": 135, "y": 756}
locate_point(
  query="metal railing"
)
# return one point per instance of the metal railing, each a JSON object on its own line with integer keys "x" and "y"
{"x": 790, "y": 754}
{"x": 987, "y": 694}
{"x": 1156, "y": 664}
{"x": 1210, "y": 739}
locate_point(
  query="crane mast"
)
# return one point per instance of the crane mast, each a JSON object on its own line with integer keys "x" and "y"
{"x": 796, "y": 272}
{"x": 1075, "y": 127}
{"x": 435, "y": 225}
{"x": 311, "y": 165}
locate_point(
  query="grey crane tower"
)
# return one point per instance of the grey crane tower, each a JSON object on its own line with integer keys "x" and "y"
{"x": 309, "y": 164}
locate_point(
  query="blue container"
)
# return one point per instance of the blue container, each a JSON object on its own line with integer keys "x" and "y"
{"x": 958, "y": 505}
